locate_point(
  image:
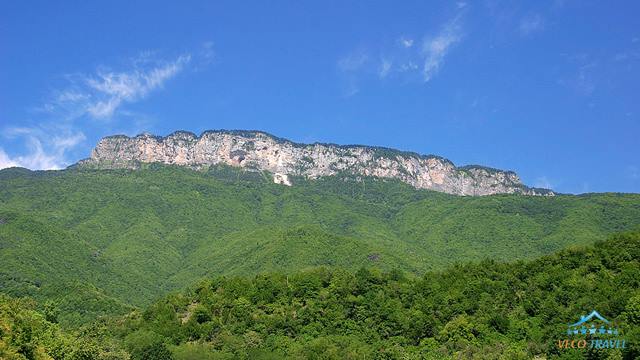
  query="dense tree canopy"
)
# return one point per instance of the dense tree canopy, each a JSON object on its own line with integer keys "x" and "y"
{"x": 485, "y": 310}
{"x": 96, "y": 243}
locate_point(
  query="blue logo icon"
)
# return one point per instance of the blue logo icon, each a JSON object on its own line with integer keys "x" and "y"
{"x": 592, "y": 331}
{"x": 582, "y": 328}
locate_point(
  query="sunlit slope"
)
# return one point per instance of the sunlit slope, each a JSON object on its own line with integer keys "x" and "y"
{"x": 483, "y": 310}
{"x": 127, "y": 237}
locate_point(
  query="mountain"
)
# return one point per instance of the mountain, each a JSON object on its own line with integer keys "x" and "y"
{"x": 285, "y": 159}
{"x": 96, "y": 242}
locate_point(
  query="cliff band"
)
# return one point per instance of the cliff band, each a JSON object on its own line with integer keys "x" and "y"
{"x": 255, "y": 150}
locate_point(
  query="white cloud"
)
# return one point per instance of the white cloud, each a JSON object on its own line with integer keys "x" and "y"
{"x": 585, "y": 83}
{"x": 531, "y": 24}
{"x": 584, "y": 80}
{"x": 622, "y": 56}
{"x": 406, "y": 42}
{"x": 351, "y": 88}
{"x": 408, "y": 67}
{"x": 109, "y": 90}
{"x": 100, "y": 95}
{"x": 71, "y": 96}
{"x": 44, "y": 151}
{"x": 351, "y": 65}
{"x": 403, "y": 58}
{"x": 385, "y": 67}
{"x": 353, "y": 61}
{"x": 207, "y": 52}
{"x": 67, "y": 141}
{"x": 6, "y": 161}
{"x": 627, "y": 55}
{"x": 436, "y": 48}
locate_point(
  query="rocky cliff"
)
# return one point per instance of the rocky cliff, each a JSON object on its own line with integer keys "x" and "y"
{"x": 255, "y": 150}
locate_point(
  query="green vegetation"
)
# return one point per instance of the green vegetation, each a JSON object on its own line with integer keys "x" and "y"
{"x": 94, "y": 243}
{"x": 26, "y": 333}
{"x": 485, "y": 310}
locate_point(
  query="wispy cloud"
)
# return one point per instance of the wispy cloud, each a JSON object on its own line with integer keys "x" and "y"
{"x": 405, "y": 58}
{"x": 353, "y": 62}
{"x": 436, "y": 48}
{"x": 531, "y": 24}
{"x": 6, "y": 161}
{"x": 204, "y": 56}
{"x": 584, "y": 73}
{"x": 405, "y": 42}
{"x": 627, "y": 55}
{"x": 207, "y": 52}
{"x": 101, "y": 94}
{"x": 583, "y": 80}
{"x": 44, "y": 150}
{"x": 385, "y": 67}
{"x": 351, "y": 65}
{"x": 86, "y": 97}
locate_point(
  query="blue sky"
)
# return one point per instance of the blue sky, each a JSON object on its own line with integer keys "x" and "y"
{"x": 548, "y": 89}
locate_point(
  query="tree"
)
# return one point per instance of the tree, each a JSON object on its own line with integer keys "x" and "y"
{"x": 155, "y": 351}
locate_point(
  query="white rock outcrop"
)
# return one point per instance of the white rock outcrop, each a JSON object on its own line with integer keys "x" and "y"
{"x": 255, "y": 150}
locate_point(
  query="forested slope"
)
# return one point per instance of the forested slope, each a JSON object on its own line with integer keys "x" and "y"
{"x": 485, "y": 310}
{"x": 100, "y": 242}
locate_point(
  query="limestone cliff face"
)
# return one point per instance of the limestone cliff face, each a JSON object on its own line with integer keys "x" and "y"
{"x": 256, "y": 150}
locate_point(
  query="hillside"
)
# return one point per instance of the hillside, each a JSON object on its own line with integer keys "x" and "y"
{"x": 98, "y": 242}
{"x": 485, "y": 310}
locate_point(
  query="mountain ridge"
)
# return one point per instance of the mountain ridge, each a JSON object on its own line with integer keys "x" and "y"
{"x": 260, "y": 151}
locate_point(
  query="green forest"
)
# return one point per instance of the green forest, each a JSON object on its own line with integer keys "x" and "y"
{"x": 484, "y": 310}
{"x": 170, "y": 263}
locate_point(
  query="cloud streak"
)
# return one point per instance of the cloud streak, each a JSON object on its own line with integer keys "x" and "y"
{"x": 91, "y": 99}
{"x": 353, "y": 61}
{"x": 385, "y": 67}
{"x": 44, "y": 151}
{"x": 6, "y": 161}
{"x": 436, "y": 48}
{"x": 405, "y": 58}
{"x": 351, "y": 65}
{"x": 406, "y": 42}
{"x": 531, "y": 24}
{"x": 100, "y": 95}
{"x": 584, "y": 80}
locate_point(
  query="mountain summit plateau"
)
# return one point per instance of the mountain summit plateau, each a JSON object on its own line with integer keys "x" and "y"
{"x": 284, "y": 159}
